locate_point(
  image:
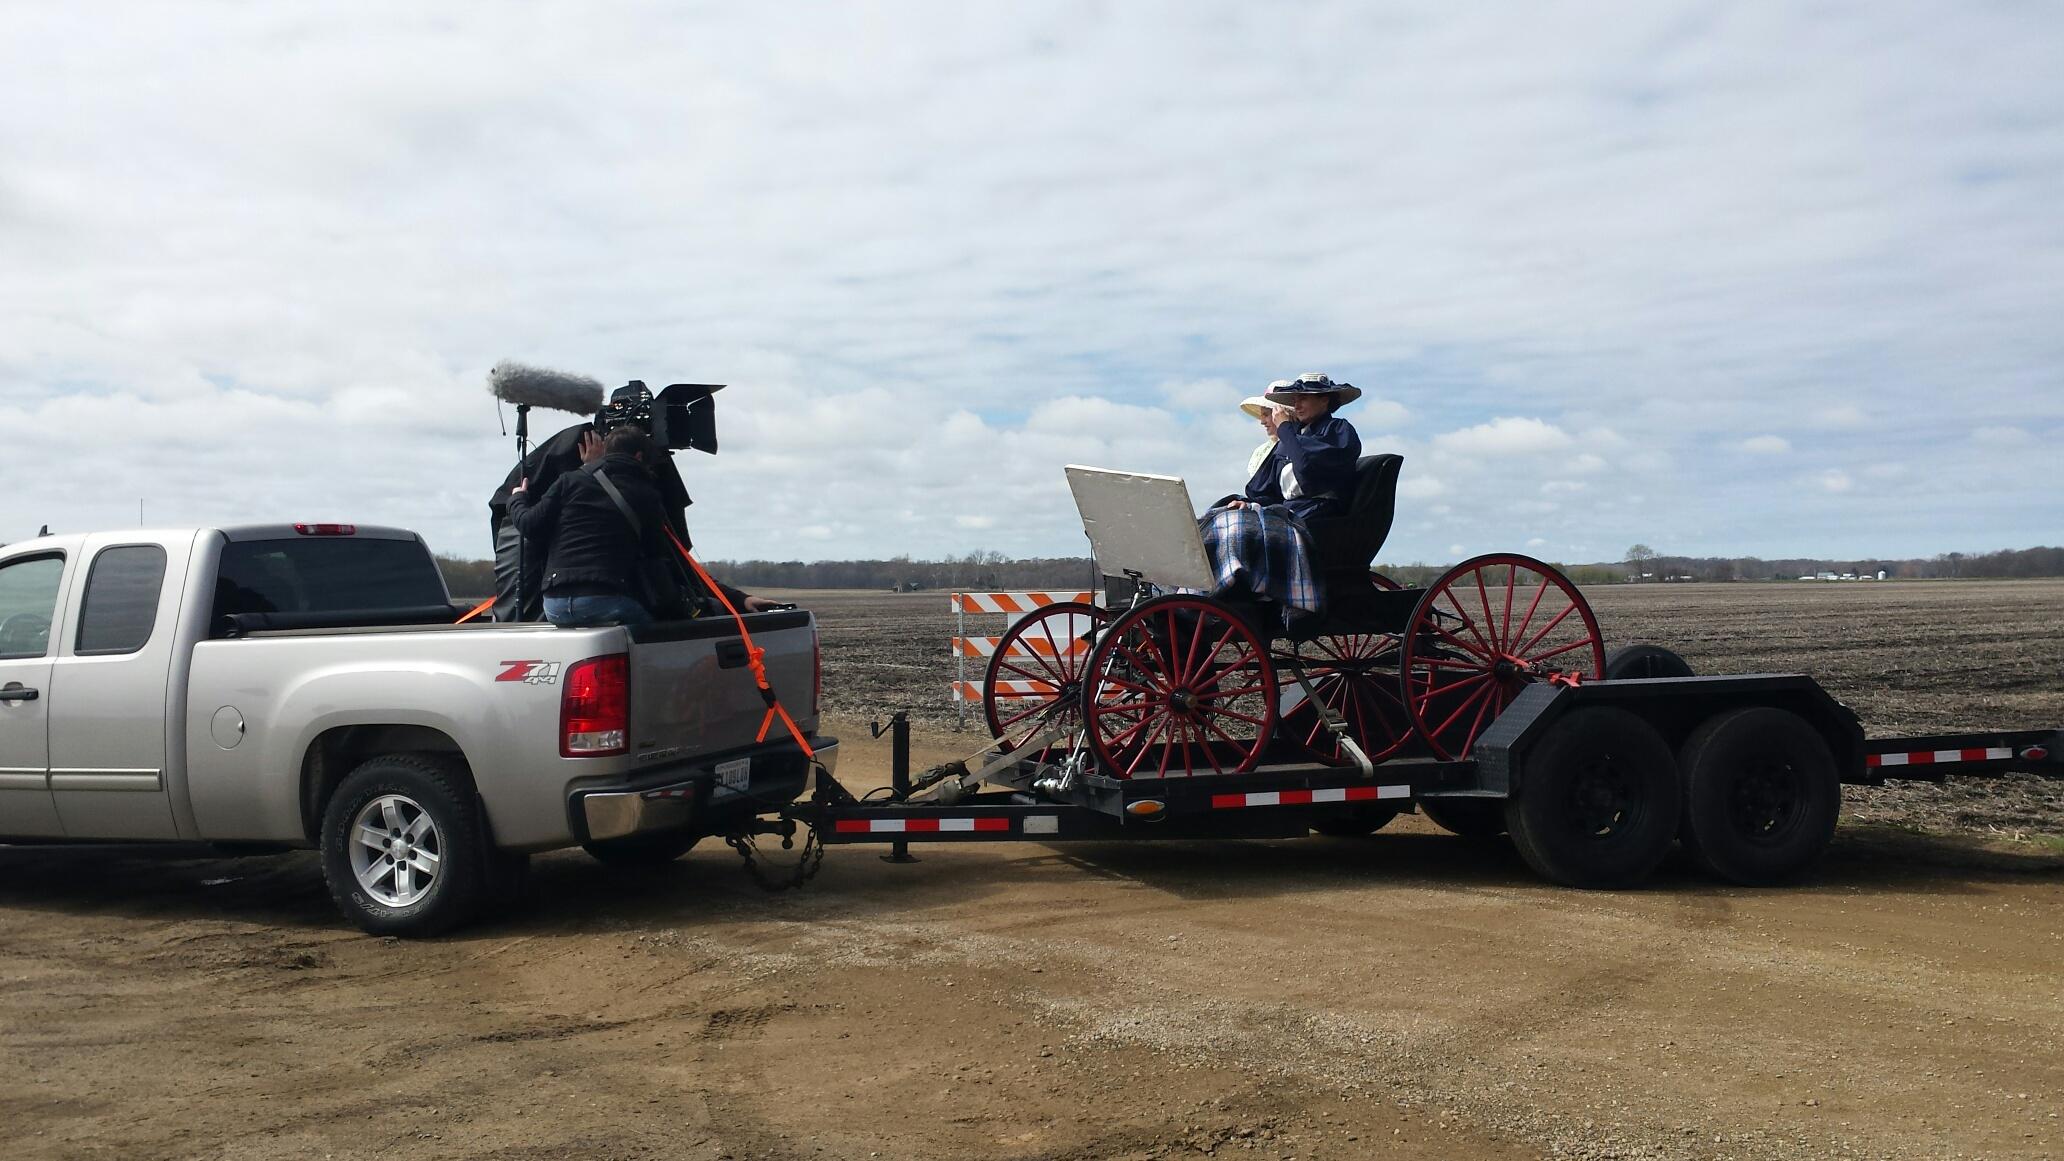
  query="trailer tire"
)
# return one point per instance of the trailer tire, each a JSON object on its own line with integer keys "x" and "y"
{"x": 641, "y": 852}
{"x": 1466, "y": 817}
{"x": 1599, "y": 802}
{"x": 1644, "y": 661}
{"x": 426, "y": 806}
{"x": 1761, "y": 795}
{"x": 1357, "y": 823}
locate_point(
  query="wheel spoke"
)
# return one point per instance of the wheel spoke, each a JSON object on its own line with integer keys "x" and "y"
{"x": 390, "y": 813}
{"x": 418, "y": 828}
{"x": 1242, "y": 717}
{"x": 1460, "y": 709}
{"x": 1465, "y": 646}
{"x": 1210, "y": 755}
{"x": 1511, "y": 578}
{"x": 1585, "y": 643}
{"x": 1455, "y": 603}
{"x": 370, "y": 838}
{"x": 1483, "y": 598}
{"x": 425, "y": 862}
{"x": 404, "y": 881}
{"x": 1546, "y": 629}
{"x": 1536, "y": 604}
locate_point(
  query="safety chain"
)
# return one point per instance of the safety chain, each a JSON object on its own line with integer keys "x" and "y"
{"x": 805, "y": 868}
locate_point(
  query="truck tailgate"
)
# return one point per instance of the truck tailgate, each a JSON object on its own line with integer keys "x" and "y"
{"x": 692, "y": 691}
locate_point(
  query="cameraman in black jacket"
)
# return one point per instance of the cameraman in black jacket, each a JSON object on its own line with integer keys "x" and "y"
{"x": 593, "y": 550}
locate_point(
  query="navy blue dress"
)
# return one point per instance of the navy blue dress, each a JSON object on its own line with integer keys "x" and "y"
{"x": 1321, "y": 457}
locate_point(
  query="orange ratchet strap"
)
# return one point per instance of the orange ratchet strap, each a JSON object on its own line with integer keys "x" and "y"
{"x": 475, "y": 611}
{"x": 755, "y": 656}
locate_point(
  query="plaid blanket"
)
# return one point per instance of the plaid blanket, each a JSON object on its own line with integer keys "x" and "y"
{"x": 1262, "y": 552}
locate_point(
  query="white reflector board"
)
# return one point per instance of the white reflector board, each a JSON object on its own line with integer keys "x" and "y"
{"x": 1143, "y": 524}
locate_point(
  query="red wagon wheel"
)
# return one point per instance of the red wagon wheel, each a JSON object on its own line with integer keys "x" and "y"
{"x": 1356, "y": 676}
{"x": 1034, "y": 679}
{"x": 1179, "y": 685}
{"x": 1485, "y": 630}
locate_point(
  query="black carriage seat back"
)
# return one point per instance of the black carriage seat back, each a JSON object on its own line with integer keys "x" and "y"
{"x": 1349, "y": 543}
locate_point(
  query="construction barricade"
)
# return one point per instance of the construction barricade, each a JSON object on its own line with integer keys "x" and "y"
{"x": 1011, "y": 607}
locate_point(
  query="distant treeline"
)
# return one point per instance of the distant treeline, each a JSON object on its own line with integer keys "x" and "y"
{"x": 993, "y": 571}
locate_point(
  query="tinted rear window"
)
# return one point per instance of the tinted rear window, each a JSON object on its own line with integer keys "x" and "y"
{"x": 121, "y": 605}
{"x": 326, "y": 574}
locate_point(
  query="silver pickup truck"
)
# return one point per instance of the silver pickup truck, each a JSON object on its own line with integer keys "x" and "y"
{"x": 304, "y": 685}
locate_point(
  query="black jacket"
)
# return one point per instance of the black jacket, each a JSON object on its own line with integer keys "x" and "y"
{"x": 560, "y": 455}
{"x": 585, "y": 539}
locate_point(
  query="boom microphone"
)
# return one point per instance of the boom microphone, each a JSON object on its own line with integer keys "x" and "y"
{"x": 513, "y": 382}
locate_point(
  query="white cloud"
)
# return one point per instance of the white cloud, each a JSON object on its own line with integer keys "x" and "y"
{"x": 1766, "y": 445}
{"x": 1504, "y": 436}
{"x": 2003, "y": 436}
{"x": 1836, "y": 480}
{"x": 1536, "y": 542}
{"x": 938, "y": 252}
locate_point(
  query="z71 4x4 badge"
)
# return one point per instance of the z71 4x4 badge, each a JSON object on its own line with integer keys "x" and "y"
{"x": 531, "y": 672}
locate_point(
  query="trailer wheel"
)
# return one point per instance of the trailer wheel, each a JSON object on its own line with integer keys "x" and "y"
{"x": 1362, "y": 821}
{"x": 641, "y": 852}
{"x": 1599, "y": 801}
{"x": 1761, "y": 797}
{"x": 1644, "y": 661}
{"x": 1467, "y": 817}
{"x": 1043, "y": 656}
{"x": 402, "y": 848}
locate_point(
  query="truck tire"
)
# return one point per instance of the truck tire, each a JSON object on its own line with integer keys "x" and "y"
{"x": 1467, "y": 817}
{"x": 1644, "y": 661}
{"x": 641, "y": 852}
{"x": 1599, "y": 802}
{"x": 1761, "y": 795}
{"x": 402, "y": 847}
{"x": 1356, "y": 823}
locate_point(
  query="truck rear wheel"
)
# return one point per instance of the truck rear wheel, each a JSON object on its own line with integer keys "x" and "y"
{"x": 402, "y": 848}
{"x": 641, "y": 852}
{"x": 1599, "y": 800}
{"x": 1761, "y": 795}
{"x": 1467, "y": 817}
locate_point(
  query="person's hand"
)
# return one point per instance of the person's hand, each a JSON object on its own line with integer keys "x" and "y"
{"x": 590, "y": 447}
{"x": 1237, "y": 504}
{"x": 1271, "y": 417}
{"x": 759, "y": 604}
{"x": 522, "y": 486}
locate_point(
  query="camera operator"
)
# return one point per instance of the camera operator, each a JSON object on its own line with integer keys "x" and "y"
{"x": 568, "y": 459}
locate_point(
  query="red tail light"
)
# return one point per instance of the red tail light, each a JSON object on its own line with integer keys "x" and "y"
{"x": 595, "y": 710}
{"x": 327, "y": 529}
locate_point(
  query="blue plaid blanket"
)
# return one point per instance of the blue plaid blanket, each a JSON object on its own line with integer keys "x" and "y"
{"x": 1262, "y": 552}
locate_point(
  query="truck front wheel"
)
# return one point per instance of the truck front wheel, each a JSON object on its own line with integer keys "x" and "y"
{"x": 401, "y": 847}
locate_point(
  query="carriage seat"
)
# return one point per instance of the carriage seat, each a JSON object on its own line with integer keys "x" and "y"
{"x": 1343, "y": 547}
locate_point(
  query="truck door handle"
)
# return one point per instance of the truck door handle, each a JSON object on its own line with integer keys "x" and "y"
{"x": 731, "y": 654}
{"x": 19, "y": 692}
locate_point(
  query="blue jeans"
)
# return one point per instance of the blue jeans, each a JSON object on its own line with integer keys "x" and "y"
{"x": 578, "y": 612}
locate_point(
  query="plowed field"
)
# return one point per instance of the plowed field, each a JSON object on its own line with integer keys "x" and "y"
{"x": 1407, "y": 995}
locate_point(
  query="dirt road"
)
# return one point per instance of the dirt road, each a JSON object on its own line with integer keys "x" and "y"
{"x": 1407, "y": 995}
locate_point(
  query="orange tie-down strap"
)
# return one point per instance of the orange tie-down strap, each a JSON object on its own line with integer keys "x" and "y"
{"x": 755, "y": 656}
{"x": 475, "y": 611}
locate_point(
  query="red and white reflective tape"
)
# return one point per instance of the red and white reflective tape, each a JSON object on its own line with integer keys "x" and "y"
{"x": 972, "y": 691}
{"x": 919, "y": 825}
{"x": 1308, "y": 797}
{"x": 1022, "y": 647}
{"x": 1933, "y": 757}
{"x": 1011, "y": 602}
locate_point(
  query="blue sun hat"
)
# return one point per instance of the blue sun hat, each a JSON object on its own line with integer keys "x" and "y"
{"x": 1313, "y": 383}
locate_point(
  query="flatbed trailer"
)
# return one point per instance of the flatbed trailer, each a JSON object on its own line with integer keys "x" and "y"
{"x": 1593, "y": 780}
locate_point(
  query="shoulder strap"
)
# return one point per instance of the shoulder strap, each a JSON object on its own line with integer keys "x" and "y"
{"x": 616, "y": 497}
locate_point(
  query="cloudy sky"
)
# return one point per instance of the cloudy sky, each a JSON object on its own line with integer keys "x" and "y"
{"x": 1726, "y": 279}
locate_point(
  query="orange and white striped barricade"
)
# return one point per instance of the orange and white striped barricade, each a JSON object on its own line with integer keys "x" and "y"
{"x": 1012, "y": 607}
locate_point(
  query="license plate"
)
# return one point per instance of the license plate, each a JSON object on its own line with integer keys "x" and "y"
{"x": 735, "y": 774}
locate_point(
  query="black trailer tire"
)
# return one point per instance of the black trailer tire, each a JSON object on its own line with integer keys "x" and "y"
{"x": 1356, "y": 823}
{"x": 1761, "y": 795}
{"x": 1467, "y": 817}
{"x": 1599, "y": 802}
{"x": 641, "y": 852}
{"x": 430, "y": 840}
{"x": 1644, "y": 661}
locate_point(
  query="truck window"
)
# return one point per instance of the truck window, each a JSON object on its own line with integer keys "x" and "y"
{"x": 121, "y": 605}
{"x": 28, "y": 600}
{"x": 326, "y": 575}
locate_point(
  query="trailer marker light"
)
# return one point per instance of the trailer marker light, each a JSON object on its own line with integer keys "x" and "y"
{"x": 1149, "y": 809}
{"x": 2035, "y": 753}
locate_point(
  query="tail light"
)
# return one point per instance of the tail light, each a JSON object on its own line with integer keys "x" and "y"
{"x": 816, "y": 670}
{"x": 595, "y": 710}
{"x": 327, "y": 529}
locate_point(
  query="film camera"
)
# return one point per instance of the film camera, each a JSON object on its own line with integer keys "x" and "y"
{"x": 682, "y": 415}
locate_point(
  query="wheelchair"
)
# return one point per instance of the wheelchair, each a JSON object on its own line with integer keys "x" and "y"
{"x": 1160, "y": 684}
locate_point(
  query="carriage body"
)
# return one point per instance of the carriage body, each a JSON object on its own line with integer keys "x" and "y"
{"x": 1189, "y": 675}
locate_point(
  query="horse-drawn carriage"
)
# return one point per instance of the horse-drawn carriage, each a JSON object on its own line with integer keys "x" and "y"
{"x": 1171, "y": 681}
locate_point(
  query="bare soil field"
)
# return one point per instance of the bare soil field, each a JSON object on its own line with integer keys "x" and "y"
{"x": 1408, "y": 995}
